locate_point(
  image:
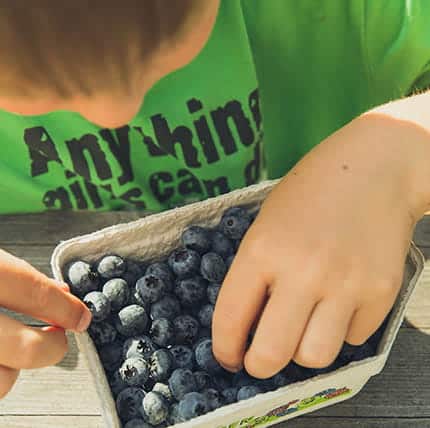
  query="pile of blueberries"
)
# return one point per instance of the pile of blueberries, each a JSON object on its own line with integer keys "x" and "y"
{"x": 152, "y": 322}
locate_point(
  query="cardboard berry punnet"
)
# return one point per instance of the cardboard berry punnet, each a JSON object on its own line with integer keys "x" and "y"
{"x": 154, "y": 237}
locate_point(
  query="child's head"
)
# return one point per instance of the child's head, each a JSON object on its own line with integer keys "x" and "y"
{"x": 96, "y": 57}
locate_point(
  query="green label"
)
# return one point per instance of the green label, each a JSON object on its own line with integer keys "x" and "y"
{"x": 291, "y": 407}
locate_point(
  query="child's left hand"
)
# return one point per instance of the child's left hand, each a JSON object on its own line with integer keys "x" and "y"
{"x": 323, "y": 262}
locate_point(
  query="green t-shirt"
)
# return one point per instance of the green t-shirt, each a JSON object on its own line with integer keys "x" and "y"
{"x": 298, "y": 69}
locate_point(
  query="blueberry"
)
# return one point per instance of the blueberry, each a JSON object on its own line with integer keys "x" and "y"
{"x": 160, "y": 365}
{"x": 135, "y": 299}
{"x": 155, "y": 409}
{"x": 139, "y": 347}
{"x": 214, "y": 398}
{"x": 221, "y": 244}
{"x": 174, "y": 417}
{"x": 181, "y": 382}
{"x": 212, "y": 267}
{"x": 192, "y": 405}
{"x": 129, "y": 403}
{"x": 237, "y": 211}
{"x": 186, "y": 329}
{"x": 235, "y": 223}
{"x": 296, "y": 373}
{"x": 111, "y": 355}
{"x": 376, "y": 337}
{"x": 162, "y": 332}
{"x": 133, "y": 272}
{"x": 118, "y": 293}
{"x": 98, "y": 304}
{"x": 163, "y": 271}
{"x": 229, "y": 395}
{"x": 116, "y": 383}
{"x": 241, "y": 379}
{"x": 205, "y": 315}
{"x": 150, "y": 288}
{"x": 134, "y": 371}
{"x": 205, "y": 358}
{"x": 196, "y": 238}
{"x": 264, "y": 384}
{"x": 82, "y": 278}
{"x": 279, "y": 380}
{"x": 163, "y": 390}
{"x": 131, "y": 320}
{"x": 247, "y": 392}
{"x": 184, "y": 263}
{"x": 223, "y": 381}
{"x": 191, "y": 291}
{"x": 137, "y": 423}
{"x": 212, "y": 292}
{"x": 204, "y": 333}
{"x": 111, "y": 266}
{"x": 331, "y": 368}
{"x": 229, "y": 261}
{"x": 102, "y": 333}
{"x": 183, "y": 357}
{"x": 203, "y": 380}
{"x": 168, "y": 307}
{"x": 350, "y": 353}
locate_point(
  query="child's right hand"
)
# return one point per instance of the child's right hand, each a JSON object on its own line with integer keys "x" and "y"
{"x": 24, "y": 289}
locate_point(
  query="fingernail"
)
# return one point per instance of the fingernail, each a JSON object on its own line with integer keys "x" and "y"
{"x": 51, "y": 328}
{"x": 84, "y": 322}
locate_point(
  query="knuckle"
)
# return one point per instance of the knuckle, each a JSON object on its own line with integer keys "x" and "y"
{"x": 40, "y": 294}
{"x": 388, "y": 286}
{"x": 255, "y": 246}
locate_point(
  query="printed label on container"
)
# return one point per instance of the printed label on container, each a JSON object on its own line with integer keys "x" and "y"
{"x": 292, "y": 406}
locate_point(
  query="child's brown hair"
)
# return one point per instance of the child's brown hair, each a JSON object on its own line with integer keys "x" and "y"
{"x": 81, "y": 46}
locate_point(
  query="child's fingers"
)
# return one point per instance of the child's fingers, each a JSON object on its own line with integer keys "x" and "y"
{"x": 325, "y": 332}
{"x": 279, "y": 331}
{"x": 239, "y": 302}
{"x": 26, "y": 290}
{"x": 367, "y": 319}
{"x": 8, "y": 378}
{"x": 24, "y": 347}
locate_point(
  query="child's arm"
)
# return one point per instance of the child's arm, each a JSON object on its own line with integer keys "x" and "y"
{"x": 327, "y": 251}
{"x": 25, "y": 290}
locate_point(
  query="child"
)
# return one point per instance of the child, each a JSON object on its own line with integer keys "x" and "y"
{"x": 323, "y": 261}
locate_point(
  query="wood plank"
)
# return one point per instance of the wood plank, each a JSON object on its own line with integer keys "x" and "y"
{"x": 312, "y": 422}
{"x": 301, "y": 422}
{"x": 66, "y": 388}
{"x": 51, "y": 421}
{"x": 418, "y": 311}
{"x": 402, "y": 390}
{"x": 50, "y": 227}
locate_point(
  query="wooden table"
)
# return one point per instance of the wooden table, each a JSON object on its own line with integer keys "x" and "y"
{"x": 63, "y": 396}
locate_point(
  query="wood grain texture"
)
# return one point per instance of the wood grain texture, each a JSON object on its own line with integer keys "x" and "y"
{"x": 317, "y": 422}
{"x": 51, "y": 227}
{"x": 68, "y": 421}
{"x": 65, "y": 421}
{"x": 64, "y": 395}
